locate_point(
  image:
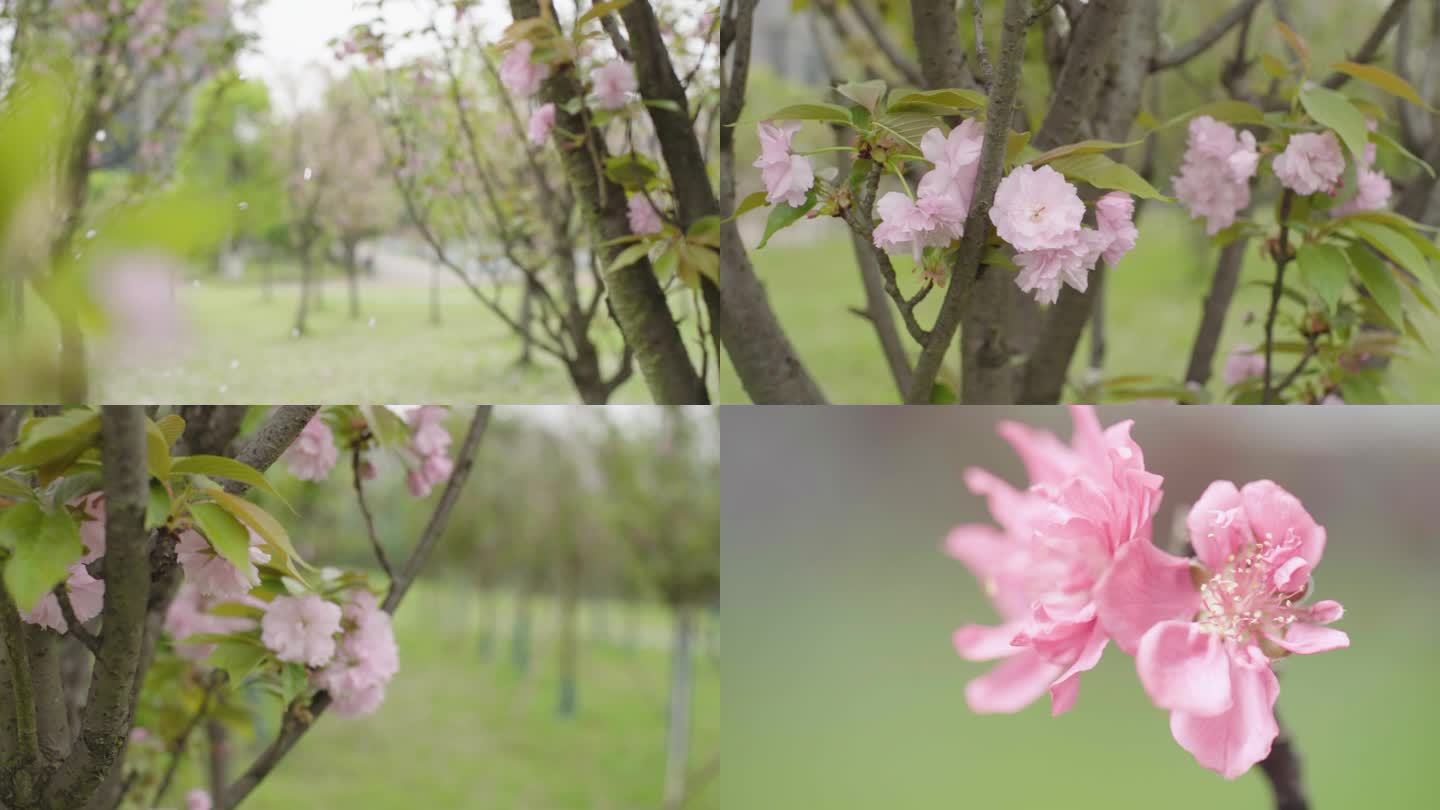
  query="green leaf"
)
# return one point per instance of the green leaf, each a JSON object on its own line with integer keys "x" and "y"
{"x": 222, "y": 467}
{"x": 1361, "y": 389}
{"x": 1334, "y": 110}
{"x": 938, "y": 102}
{"x": 866, "y": 94}
{"x": 226, "y": 534}
{"x": 811, "y": 112}
{"x": 237, "y": 657}
{"x": 172, "y": 425}
{"x": 157, "y": 508}
{"x": 1015, "y": 145}
{"x": 1383, "y": 79}
{"x": 750, "y": 203}
{"x": 1228, "y": 111}
{"x": 942, "y": 394}
{"x": 1393, "y": 244}
{"x": 632, "y": 171}
{"x": 10, "y": 488}
{"x": 1102, "y": 172}
{"x": 784, "y": 215}
{"x": 54, "y": 438}
{"x": 1090, "y": 147}
{"x": 1377, "y": 278}
{"x": 264, "y": 524}
{"x": 907, "y": 127}
{"x": 43, "y": 544}
{"x": 628, "y": 256}
{"x": 1324, "y": 269}
{"x": 75, "y": 486}
{"x": 157, "y": 451}
{"x": 1386, "y": 142}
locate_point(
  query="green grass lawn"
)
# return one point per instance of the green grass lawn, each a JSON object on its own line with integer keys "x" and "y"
{"x": 462, "y": 732}
{"x": 241, "y": 350}
{"x": 1152, "y": 310}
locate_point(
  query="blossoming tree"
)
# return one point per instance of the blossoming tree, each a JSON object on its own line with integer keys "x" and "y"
{"x": 1074, "y": 565}
{"x": 126, "y": 541}
{"x": 1011, "y": 215}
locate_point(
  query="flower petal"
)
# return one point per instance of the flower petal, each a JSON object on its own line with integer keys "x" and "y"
{"x": 1217, "y": 525}
{"x": 1231, "y": 742}
{"x": 1067, "y": 687}
{"x": 1185, "y": 668}
{"x": 1274, "y": 512}
{"x": 1144, "y": 585}
{"x": 1012, "y": 685}
{"x": 1304, "y": 639}
{"x": 978, "y": 642}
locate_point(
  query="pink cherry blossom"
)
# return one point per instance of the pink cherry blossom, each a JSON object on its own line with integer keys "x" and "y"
{"x": 313, "y": 454}
{"x": 1312, "y": 162}
{"x": 428, "y": 449}
{"x": 1373, "y": 188}
{"x": 957, "y": 162}
{"x": 540, "y": 124}
{"x": 1037, "y": 209}
{"x": 198, "y": 799}
{"x": 1086, "y": 501}
{"x": 518, "y": 73}
{"x": 188, "y": 615}
{"x": 1043, "y": 272}
{"x": 917, "y": 224}
{"x": 614, "y": 82}
{"x": 788, "y": 177}
{"x": 644, "y": 219}
{"x": 1214, "y": 180}
{"x": 1115, "y": 219}
{"x": 301, "y": 629}
{"x": 1209, "y": 663}
{"x": 87, "y": 597}
{"x": 365, "y": 661}
{"x": 1242, "y": 364}
{"x": 214, "y": 575}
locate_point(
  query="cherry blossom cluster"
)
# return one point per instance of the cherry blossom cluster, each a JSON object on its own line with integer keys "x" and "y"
{"x": 1219, "y": 163}
{"x": 1073, "y": 565}
{"x": 429, "y": 450}
{"x": 350, "y": 650}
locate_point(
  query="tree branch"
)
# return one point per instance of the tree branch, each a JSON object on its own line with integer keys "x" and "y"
{"x": 1201, "y": 43}
{"x": 1371, "y": 46}
{"x": 127, "y": 589}
{"x": 264, "y": 446}
{"x": 17, "y": 658}
{"x": 1282, "y": 258}
{"x": 72, "y": 623}
{"x": 1282, "y": 769}
{"x": 1001, "y": 105}
{"x": 875, "y": 28}
{"x": 1217, "y": 304}
{"x": 359, "y": 484}
{"x": 301, "y": 716}
{"x": 213, "y": 682}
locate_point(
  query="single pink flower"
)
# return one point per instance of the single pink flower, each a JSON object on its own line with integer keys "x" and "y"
{"x": 365, "y": 661}
{"x": 214, "y": 575}
{"x": 198, "y": 799}
{"x": 1241, "y": 364}
{"x": 775, "y": 140}
{"x": 1037, "y": 209}
{"x": 1312, "y": 162}
{"x": 614, "y": 82}
{"x": 1043, "y": 272}
{"x": 520, "y": 75}
{"x": 1372, "y": 192}
{"x": 301, "y": 629}
{"x": 1087, "y": 501}
{"x": 788, "y": 177}
{"x": 957, "y": 164}
{"x": 644, "y": 219}
{"x": 1214, "y": 180}
{"x": 313, "y": 454}
{"x": 1207, "y": 658}
{"x": 542, "y": 119}
{"x": 917, "y": 224}
{"x": 1115, "y": 219}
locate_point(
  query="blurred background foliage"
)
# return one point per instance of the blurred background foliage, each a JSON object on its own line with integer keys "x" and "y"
{"x": 845, "y": 692}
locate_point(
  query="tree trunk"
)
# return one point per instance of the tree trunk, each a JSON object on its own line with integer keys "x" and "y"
{"x": 303, "y": 311}
{"x": 682, "y": 683}
{"x": 352, "y": 275}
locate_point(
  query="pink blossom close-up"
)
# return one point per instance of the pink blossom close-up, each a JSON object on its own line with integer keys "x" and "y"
{"x": 1086, "y": 501}
{"x": 542, "y": 120}
{"x": 1255, "y": 548}
{"x": 1214, "y": 179}
{"x": 213, "y": 575}
{"x": 643, "y": 218}
{"x": 518, "y": 73}
{"x": 365, "y": 660}
{"x": 787, "y": 177}
{"x": 1372, "y": 187}
{"x": 301, "y": 629}
{"x": 914, "y": 225}
{"x": 1043, "y": 272}
{"x": 957, "y": 163}
{"x": 1312, "y": 162}
{"x": 614, "y": 82}
{"x": 1037, "y": 209}
{"x": 313, "y": 454}
{"x": 1115, "y": 219}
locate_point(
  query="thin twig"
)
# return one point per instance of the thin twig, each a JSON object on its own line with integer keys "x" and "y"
{"x": 1310, "y": 351}
{"x": 73, "y": 623}
{"x": 1202, "y": 42}
{"x": 983, "y": 69}
{"x": 355, "y": 465}
{"x": 1282, "y": 769}
{"x": 212, "y": 684}
{"x": 1282, "y": 258}
{"x": 1371, "y": 46}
